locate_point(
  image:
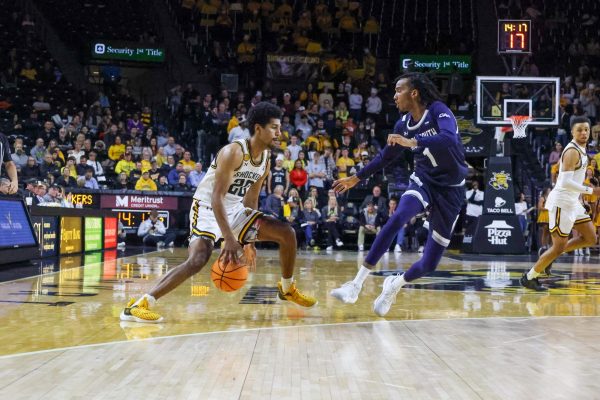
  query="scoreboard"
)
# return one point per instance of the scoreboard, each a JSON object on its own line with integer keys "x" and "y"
{"x": 131, "y": 219}
{"x": 514, "y": 36}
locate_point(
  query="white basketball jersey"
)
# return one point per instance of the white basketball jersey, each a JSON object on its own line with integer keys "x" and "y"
{"x": 561, "y": 196}
{"x": 244, "y": 177}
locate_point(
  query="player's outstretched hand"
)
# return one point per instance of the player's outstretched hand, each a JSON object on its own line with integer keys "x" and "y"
{"x": 230, "y": 250}
{"x": 344, "y": 184}
{"x": 249, "y": 257}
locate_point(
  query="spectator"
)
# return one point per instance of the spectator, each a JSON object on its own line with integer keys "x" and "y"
{"x": 30, "y": 171}
{"x": 241, "y": 131}
{"x": 82, "y": 166}
{"x": 125, "y": 165}
{"x": 135, "y": 122}
{"x": 316, "y": 172}
{"x": 278, "y": 176}
{"x": 163, "y": 184}
{"x": 303, "y": 127}
{"x": 170, "y": 148}
{"x": 173, "y": 175}
{"x": 355, "y": 102}
{"x": 555, "y": 154}
{"x": 182, "y": 185}
{"x": 344, "y": 164}
{"x": 521, "y": 210}
{"x": 392, "y": 204}
{"x": 145, "y": 182}
{"x": 370, "y": 224}
{"x": 39, "y": 191}
{"x": 188, "y": 163}
{"x": 66, "y": 179}
{"x": 48, "y": 166}
{"x": 294, "y": 149}
{"x": 116, "y": 150}
{"x": 374, "y": 105}
{"x": 298, "y": 177}
{"x": 19, "y": 157}
{"x": 474, "y": 204}
{"x": 310, "y": 219}
{"x": 331, "y": 215}
{"x": 273, "y": 204}
{"x": 154, "y": 233}
{"x": 90, "y": 181}
{"x": 96, "y": 166}
{"x": 196, "y": 175}
{"x": 38, "y": 151}
{"x": 122, "y": 182}
{"x": 28, "y": 72}
{"x": 379, "y": 202}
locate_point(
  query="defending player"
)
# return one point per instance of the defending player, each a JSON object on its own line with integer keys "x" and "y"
{"x": 430, "y": 129}
{"x": 565, "y": 210}
{"x": 224, "y": 206}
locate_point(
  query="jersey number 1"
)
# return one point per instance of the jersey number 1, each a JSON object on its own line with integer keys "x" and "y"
{"x": 239, "y": 187}
{"x": 428, "y": 154}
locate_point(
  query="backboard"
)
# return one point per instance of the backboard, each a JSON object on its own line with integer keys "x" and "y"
{"x": 500, "y": 97}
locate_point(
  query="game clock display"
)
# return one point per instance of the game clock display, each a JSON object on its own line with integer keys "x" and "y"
{"x": 514, "y": 36}
{"x": 131, "y": 219}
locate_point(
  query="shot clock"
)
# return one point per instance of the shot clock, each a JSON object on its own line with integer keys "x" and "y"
{"x": 514, "y": 36}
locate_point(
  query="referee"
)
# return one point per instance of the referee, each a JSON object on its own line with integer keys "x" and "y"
{"x": 11, "y": 168}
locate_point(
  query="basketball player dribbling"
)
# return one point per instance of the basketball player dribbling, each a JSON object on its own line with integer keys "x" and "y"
{"x": 565, "y": 210}
{"x": 224, "y": 206}
{"x": 430, "y": 130}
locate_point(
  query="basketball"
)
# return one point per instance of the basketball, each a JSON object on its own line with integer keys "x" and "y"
{"x": 230, "y": 277}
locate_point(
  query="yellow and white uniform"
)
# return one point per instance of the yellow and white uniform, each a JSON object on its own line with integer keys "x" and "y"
{"x": 241, "y": 219}
{"x": 564, "y": 204}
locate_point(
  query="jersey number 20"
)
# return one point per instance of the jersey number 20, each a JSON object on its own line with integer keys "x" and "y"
{"x": 239, "y": 187}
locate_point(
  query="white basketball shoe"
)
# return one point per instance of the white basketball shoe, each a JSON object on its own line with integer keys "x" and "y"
{"x": 383, "y": 302}
{"x": 347, "y": 293}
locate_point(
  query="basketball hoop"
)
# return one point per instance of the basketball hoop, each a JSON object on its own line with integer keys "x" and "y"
{"x": 519, "y": 124}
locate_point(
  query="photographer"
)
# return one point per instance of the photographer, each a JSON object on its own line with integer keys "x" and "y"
{"x": 154, "y": 232}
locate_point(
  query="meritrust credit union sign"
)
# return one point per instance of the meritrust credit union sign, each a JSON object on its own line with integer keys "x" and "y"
{"x": 139, "y": 202}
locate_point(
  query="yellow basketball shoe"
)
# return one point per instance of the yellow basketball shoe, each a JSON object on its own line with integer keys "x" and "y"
{"x": 294, "y": 295}
{"x": 139, "y": 312}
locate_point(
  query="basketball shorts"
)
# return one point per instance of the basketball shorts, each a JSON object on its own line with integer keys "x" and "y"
{"x": 444, "y": 205}
{"x": 241, "y": 219}
{"x": 562, "y": 219}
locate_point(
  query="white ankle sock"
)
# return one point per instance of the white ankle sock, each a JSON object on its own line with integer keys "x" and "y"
{"x": 361, "y": 275}
{"x": 286, "y": 283}
{"x": 532, "y": 274}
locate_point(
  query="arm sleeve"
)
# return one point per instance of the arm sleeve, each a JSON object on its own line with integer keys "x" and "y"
{"x": 446, "y": 123}
{"x": 565, "y": 179}
{"x": 383, "y": 158}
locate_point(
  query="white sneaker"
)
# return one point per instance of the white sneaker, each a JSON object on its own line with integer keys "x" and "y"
{"x": 391, "y": 287}
{"x": 329, "y": 248}
{"x": 160, "y": 245}
{"x": 420, "y": 250}
{"x": 397, "y": 249}
{"x": 587, "y": 251}
{"x": 361, "y": 248}
{"x": 347, "y": 293}
{"x": 339, "y": 243}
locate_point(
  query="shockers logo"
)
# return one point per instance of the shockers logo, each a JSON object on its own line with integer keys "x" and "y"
{"x": 500, "y": 180}
{"x": 498, "y": 233}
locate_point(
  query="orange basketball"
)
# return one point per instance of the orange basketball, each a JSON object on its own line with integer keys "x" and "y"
{"x": 228, "y": 277}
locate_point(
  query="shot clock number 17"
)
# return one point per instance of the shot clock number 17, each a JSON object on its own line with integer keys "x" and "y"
{"x": 514, "y": 36}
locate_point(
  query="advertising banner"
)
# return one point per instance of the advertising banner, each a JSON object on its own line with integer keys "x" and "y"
{"x": 15, "y": 228}
{"x": 110, "y": 232}
{"x": 441, "y": 64}
{"x": 127, "y": 51}
{"x": 139, "y": 201}
{"x": 92, "y": 233}
{"x": 292, "y": 67}
{"x": 46, "y": 229}
{"x": 70, "y": 235}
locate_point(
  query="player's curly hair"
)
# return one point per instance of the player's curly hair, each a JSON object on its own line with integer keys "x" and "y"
{"x": 262, "y": 113}
{"x": 426, "y": 88}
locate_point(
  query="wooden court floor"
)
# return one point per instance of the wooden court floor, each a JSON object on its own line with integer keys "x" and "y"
{"x": 466, "y": 332}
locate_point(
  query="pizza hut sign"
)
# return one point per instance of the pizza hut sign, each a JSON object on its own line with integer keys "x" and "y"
{"x": 143, "y": 202}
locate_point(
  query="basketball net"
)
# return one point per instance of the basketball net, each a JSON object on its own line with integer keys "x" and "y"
{"x": 519, "y": 124}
